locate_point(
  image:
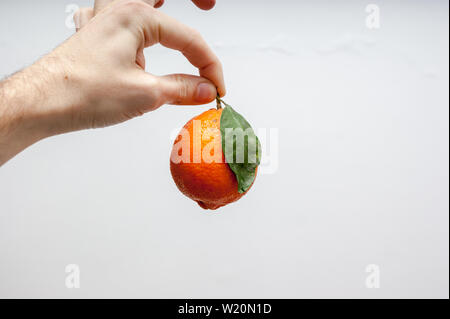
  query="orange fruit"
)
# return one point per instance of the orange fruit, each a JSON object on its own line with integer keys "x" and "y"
{"x": 212, "y": 184}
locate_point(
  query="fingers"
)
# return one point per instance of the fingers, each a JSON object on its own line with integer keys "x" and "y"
{"x": 205, "y": 4}
{"x": 202, "y": 4}
{"x": 101, "y": 4}
{"x": 183, "y": 89}
{"x": 159, "y": 4}
{"x": 175, "y": 35}
{"x": 82, "y": 17}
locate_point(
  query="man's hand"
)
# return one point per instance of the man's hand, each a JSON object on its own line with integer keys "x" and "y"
{"x": 97, "y": 77}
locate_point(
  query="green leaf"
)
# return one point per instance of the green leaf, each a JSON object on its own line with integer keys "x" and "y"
{"x": 241, "y": 147}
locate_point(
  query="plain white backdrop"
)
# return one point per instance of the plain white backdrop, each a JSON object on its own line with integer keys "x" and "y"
{"x": 362, "y": 164}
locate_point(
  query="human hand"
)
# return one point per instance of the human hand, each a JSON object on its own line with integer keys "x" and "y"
{"x": 107, "y": 61}
{"x": 96, "y": 78}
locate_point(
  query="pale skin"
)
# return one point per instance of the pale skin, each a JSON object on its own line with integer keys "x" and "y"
{"x": 97, "y": 77}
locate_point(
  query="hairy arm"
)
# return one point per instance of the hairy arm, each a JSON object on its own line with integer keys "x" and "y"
{"x": 21, "y": 97}
{"x": 35, "y": 103}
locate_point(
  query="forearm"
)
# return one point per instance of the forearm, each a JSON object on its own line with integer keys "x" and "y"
{"x": 26, "y": 99}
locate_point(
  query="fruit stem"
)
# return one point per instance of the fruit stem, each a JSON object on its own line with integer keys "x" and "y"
{"x": 218, "y": 100}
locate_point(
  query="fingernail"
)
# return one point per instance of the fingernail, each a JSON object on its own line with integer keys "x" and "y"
{"x": 205, "y": 93}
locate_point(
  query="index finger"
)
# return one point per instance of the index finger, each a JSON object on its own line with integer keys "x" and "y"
{"x": 175, "y": 35}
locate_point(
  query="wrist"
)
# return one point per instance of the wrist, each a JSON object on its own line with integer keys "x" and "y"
{"x": 18, "y": 128}
{"x": 32, "y": 106}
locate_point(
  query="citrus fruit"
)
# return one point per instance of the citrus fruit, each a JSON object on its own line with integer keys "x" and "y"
{"x": 199, "y": 167}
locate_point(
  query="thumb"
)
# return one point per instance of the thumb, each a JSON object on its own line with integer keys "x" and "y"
{"x": 183, "y": 89}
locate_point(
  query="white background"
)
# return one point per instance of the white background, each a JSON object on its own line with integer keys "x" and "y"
{"x": 362, "y": 161}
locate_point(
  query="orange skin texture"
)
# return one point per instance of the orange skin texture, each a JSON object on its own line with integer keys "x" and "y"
{"x": 211, "y": 185}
